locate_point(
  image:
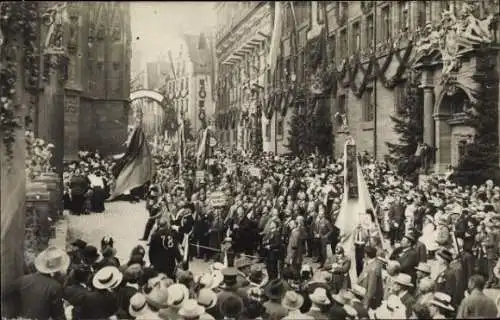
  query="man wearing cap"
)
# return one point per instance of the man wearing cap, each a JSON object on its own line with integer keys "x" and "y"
{"x": 40, "y": 293}
{"x": 396, "y": 216}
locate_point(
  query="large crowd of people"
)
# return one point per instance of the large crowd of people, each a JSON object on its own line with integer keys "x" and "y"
{"x": 267, "y": 225}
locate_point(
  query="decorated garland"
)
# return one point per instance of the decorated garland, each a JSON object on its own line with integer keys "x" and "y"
{"x": 38, "y": 156}
{"x": 15, "y": 18}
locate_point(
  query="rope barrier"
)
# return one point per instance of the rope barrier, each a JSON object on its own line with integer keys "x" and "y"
{"x": 218, "y": 250}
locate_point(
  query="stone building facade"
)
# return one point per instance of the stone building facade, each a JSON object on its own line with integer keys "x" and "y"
{"x": 371, "y": 49}
{"x": 189, "y": 85}
{"x": 94, "y": 84}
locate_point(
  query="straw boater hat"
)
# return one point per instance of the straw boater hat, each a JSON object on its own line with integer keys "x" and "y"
{"x": 191, "y": 309}
{"x": 358, "y": 291}
{"x": 177, "y": 295}
{"x": 52, "y": 260}
{"x": 107, "y": 278}
{"x": 156, "y": 291}
{"x": 319, "y": 296}
{"x": 207, "y": 298}
{"x": 292, "y": 300}
{"x": 138, "y": 307}
{"x": 423, "y": 267}
{"x": 403, "y": 279}
{"x": 442, "y": 300}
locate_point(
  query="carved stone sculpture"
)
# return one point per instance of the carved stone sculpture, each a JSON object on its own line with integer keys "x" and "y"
{"x": 54, "y": 18}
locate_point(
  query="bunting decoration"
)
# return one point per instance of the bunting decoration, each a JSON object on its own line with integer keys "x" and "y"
{"x": 275, "y": 39}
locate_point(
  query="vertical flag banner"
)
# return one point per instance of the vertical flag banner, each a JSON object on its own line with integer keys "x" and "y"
{"x": 181, "y": 145}
{"x": 276, "y": 37}
{"x": 136, "y": 167}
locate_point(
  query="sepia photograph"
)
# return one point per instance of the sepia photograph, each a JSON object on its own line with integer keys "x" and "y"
{"x": 237, "y": 160}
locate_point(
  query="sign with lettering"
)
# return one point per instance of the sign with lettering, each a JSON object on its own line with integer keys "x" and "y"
{"x": 218, "y": 199}
{"x": 351, "y": 172}
{"x": 256, "y": 172}
{"x": 200, "y": 175}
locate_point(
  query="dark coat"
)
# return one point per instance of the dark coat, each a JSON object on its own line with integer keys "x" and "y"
{"x": 477, "y": 305}
{"x": 123, "y": 297}
{"x": 164, "y": 252}
{"x": 421, "y": 251}
{"x": 409, "y": 260}
{"x": 99, "y": 304}
{"x": 371, "y": 279}
{"x": 408, "y": 301}
{"x": 76, "y": 295}
{"x": 360, "y": 309}
{"x": 40, "y": 296}
{"x": 446, "y": 282}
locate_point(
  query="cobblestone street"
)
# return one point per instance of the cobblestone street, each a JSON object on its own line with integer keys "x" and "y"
{"x": 124, "y": 222}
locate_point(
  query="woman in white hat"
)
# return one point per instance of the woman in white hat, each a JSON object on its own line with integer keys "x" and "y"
{"x": 139, "y": 308}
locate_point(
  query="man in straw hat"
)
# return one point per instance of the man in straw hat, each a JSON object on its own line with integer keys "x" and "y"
{"x": 406, "y": 255}
{"x": 139, "y": 309}
{"x": 402, "y": 283}
{"x": 100, "y": 303}
{"x": 40, "y": 293}
{"x": 208, "y": 300}
{"x": 292, "y": 301}
{"x": 356, "y": 302}
{"x": 320, "y": 304}
{"x": 440, "y": 306}
{"x": 191, "y": 310}
{"x": 177, "y": 295}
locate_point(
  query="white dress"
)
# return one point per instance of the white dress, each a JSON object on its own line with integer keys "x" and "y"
{"x": 429, "y": 236}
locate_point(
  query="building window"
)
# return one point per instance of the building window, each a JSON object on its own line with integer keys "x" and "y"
{"x": 369, "y": 31}
{"x": 331, "y": 47}
{"x": 319, "y": 12}
{"x": 343, "y": 44}
{"x": 404, "y": 15}
{"x": 342, "y": 109}
{"x": 268, "y": 131}
{"x": 202, "y": 83}
{"x": 368, "y": 107}
{"x": 356, "y": 37}
{"x": 462, "y": 149}
{"x": 399, "y": 100}
{"x": 386, "y": 23}
{"x": 280, "y": 129}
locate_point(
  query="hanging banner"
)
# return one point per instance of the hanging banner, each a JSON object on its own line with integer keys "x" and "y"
{"x": 351, "y": 172}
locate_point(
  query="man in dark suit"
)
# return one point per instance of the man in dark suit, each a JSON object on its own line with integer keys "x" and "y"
{"x": 361, "y": 238}
{"x": 396, "y": 216}
{"x": 446, "y": 281}
{"x": 407, "y": 256}
{"x": 371, "y": 279}
{"x": 273, "y": 246}
{"x": 40, "y": 293}
{"x": 79, "y": 185}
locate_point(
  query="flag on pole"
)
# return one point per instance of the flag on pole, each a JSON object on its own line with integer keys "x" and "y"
{"x": 181, "y": 146}
{"x": 136, "y": 167}
{"x": 276, "y": 38}
{"x": 201, "y": 154}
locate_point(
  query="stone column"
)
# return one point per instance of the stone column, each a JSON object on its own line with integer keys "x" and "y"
{"x": 428, "y": 87}
{"x": 443, "y": 143}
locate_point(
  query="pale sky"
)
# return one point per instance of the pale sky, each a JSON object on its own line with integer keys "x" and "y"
{"x": 157, "y": 26}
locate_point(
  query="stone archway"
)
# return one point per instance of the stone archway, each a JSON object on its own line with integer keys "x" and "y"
{"x": 452, "y": 125}
{"x": 167, "y": 117}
